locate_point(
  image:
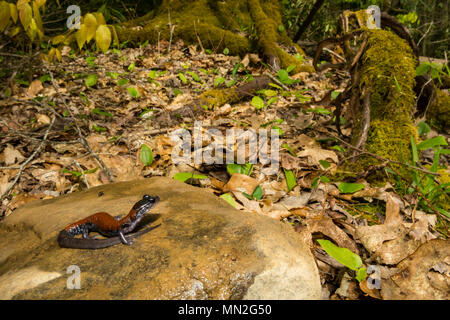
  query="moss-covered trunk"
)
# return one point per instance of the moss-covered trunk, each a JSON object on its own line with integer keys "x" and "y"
{"x": 241, "y": 26}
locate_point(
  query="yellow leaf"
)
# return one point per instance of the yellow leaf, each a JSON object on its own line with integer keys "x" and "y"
{"x": 80, "y": 35}
{"x": 58, "y": 55}
{"x": 103, "y": 37}
{"x": 4, "y": 15}
{"x": 91, "y": 26}
{"x": 51, "y": 54}
{"x": 20, "y": 3}
{"x": 58, "y": 39}
{"x": 43, "y": 57}
{"x": 15, "y": 31}
{"x": 100, "y": 18}
{"x": 37, "y": 17}
{"x": 32, "y": 30}
{"x": 13, "y": 11}
{"x": 25, "y": 15}
{"x": 40, "y": 3}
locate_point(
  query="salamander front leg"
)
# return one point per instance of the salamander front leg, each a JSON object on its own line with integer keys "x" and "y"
{"x": 124, "y": 240}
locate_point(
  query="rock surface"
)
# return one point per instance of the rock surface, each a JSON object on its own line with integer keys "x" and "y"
{"x": 204, "y": 249}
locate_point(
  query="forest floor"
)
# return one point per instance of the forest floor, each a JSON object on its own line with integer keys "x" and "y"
{"x": 116, "y": 100}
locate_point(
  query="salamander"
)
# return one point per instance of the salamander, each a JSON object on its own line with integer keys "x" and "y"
{"x": 117, "y": 229}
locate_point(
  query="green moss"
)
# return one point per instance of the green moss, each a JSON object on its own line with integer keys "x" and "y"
{"x": 215, "y": 98}
{"x": 438, "y": 113}
{"x": 388, "y": 69}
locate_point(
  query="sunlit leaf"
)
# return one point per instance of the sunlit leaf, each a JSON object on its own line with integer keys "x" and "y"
{"x": 343, "y": 255}
{"x": 80, "y": 35}
{"x": 183, "y": 176}
{"x": 91, "y": 80}
{"x": 146, "y": 155}
{"x": 229, "y": 198}
{"x": 346, "y": 187}
{"x": 257, "y": 102}
{"x": 133, "y": 92}
{"x": 290, "y": 179}
{"x": 91, "y": 26}
{"x": 103, "y": 38}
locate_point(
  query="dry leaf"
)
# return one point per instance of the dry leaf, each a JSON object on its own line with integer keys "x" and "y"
{"x": 241, "y": 182}
{"x": 12, "y": 155}
{"x": 413, "y": 281}
{"x": 34, "y": 88}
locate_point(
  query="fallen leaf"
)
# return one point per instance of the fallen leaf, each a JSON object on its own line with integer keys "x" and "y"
{"x": 12, "y": 155}
{"x": 242, "y": 183}
{"x": 413, "y": 281}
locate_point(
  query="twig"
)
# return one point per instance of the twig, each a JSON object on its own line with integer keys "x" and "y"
{"x": 276, "y": 81}
{"x": 23, "y": 165}
{"x": 80, "y": 134}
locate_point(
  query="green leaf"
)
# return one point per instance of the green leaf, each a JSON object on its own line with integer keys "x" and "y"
{"x": 280, "y": 28}
{"x": 361, "y": 274}
{"x": 289, "y": 69}
{"x": 101, "y": 112}
{"x": 335, "y": 94}
{"x": 350, "y": 187}
{"x": 98, "y": 128}
{"x": 258, "y": 193}
{"x": 177, "y": 91}
{"x": 182, "y": 78}
{"x": 324, "y": 164}
{"x": 290, "y": 179}
{"x": 338, "y": 148}
{"x": 146, "y": 155}
{"x": 277, "y": 129}
{"x": 415, "y": 154}
{"x": 283, "y": 75}
{"x": 343, "y": 255}
{"x": 272, "y": 100}
{"x": 44, "y": 78}
{"x": 397, "y": 84}
{"x": 270, "y": 93}
{"x": 431, "y": 143}
{"x": 218, "y": 81}
{"x": 423, "y": 128}
{"x": 194, "y": 76}
{"x": 226, "y": 51}
{"x": 74, "y": 173}
{"x": 183, "y": 176}
{"x": 152, "y": 74}
{"x": 229, "y": 198}
{"x": 122, "y": 82}
{"x": 289, "y": 149}
{"x": 91, "y": 80}
{"x": 257, "y": 102}
{"x": 133, "y": 92}
{"x": 112, "y": 75}
{"x": 315, "y": 183}
{"x": 240, "y": 168}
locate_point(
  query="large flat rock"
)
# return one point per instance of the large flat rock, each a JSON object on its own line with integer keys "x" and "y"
{"x": 204, "y": 249}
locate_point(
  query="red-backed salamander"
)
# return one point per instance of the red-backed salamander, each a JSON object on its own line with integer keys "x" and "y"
{"x": 105, "y": 224}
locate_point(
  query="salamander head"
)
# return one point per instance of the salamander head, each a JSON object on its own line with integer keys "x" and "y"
{"x": 144, "y": 205}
